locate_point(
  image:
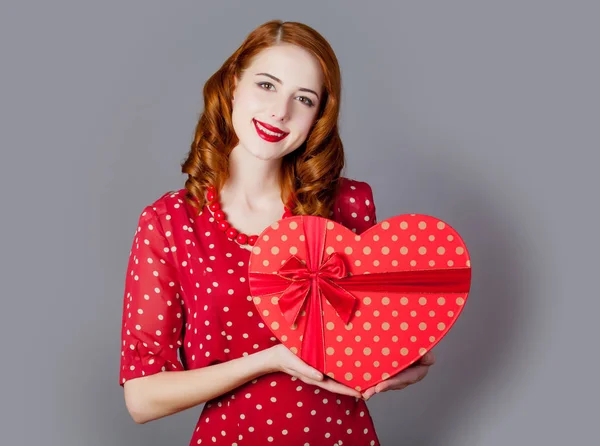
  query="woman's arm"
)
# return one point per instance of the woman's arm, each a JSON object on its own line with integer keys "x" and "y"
{"x": 165, "y": 393}
{"x": 151, "y": 332}
{"x": 155, "y": 396}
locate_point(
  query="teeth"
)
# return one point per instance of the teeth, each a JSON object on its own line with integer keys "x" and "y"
{"x": 268, "y": 132}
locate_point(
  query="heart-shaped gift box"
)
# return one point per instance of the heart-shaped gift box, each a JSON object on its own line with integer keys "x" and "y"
{"x": 360, "y": 308}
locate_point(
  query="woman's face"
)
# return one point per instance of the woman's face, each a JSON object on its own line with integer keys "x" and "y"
{"x": 276, "y": 101}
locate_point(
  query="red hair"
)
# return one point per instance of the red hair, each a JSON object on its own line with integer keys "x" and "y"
{"x": 310, "y": 174}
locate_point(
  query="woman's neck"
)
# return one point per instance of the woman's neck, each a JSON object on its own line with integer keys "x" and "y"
{"x": 253, "y": 183}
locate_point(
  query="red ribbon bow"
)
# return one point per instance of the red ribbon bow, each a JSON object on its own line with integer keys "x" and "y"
{"x": 305, "y": 280}
{"x": 304, "y": 285}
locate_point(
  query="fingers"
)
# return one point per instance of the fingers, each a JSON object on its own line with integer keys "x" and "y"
{"x": 305, "y": 373}
{"x": 295, "y": 366}
{"x": 336, "y": 387}
{"x": 301, "y": 368}
{"x": 369, "y": 393}
{"x": 427, "y": 359}
{"x": 331, "y": 385}
{"x": 418, "y": 373}
{"x": 407, "y": 377}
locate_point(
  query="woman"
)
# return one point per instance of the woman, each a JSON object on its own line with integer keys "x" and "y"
{"x": 266, "y": 147}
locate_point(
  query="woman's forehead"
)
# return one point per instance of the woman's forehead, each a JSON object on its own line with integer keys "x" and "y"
{"x": 292, "y": 65}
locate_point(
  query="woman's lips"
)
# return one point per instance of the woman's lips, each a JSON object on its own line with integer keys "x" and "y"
{"x": 268, "y": 132}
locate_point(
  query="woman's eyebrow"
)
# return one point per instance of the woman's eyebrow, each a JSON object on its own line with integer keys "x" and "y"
{"x": 278, "y": 80}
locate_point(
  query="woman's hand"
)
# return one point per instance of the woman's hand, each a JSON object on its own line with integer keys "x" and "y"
{"x": 405, "y": 378}
{"x": 281, "y": 359}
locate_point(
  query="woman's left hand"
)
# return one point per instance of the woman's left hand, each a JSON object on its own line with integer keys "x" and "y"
{"x": 405, "y": 378}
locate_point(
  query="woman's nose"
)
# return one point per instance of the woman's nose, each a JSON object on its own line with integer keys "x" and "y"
{"x": 280, "y": 110}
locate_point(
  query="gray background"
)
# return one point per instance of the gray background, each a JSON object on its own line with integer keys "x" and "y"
{"x": 484, "y": 114}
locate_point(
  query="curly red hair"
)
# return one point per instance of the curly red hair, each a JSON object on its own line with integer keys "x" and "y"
{"x": 310, "y": 174}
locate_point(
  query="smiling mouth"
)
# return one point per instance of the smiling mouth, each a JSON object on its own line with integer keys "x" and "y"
{"x": 267, "y": 132}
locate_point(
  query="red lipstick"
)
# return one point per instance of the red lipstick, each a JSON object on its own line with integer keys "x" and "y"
{"x": 274, "y": 134}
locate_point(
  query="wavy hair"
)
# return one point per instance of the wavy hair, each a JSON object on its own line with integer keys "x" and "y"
{"x": 310, "y": 175}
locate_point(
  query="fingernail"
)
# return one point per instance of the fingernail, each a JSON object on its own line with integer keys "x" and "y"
{"x": 317, "y": 375}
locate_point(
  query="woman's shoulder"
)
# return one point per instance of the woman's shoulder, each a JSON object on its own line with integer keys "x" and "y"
{"x": 350, "y": 187}
{"x": 169, "y": 199}
{"x": 166, "y": 205}
{"x": 354, "y": 205}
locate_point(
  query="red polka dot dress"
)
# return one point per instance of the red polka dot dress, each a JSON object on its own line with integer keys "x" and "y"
{"x": 187, "y": 305}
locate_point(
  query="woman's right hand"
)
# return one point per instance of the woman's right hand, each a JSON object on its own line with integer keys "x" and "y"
{"x": 281, "y": 359}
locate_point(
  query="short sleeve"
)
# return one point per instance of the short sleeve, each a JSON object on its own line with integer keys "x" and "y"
{"x": 152, "y": 318}
{"x": 355, "y": 207}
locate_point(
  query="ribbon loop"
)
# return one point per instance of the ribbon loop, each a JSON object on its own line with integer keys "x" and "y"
{"x": 294, "y": 297}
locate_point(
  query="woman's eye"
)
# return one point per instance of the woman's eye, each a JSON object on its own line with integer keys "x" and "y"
{"x": 268, "y": 85}
{"x": 307, "y": 101}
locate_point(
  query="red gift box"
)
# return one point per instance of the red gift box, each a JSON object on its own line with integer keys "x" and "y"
{"x": 360, "y": 308}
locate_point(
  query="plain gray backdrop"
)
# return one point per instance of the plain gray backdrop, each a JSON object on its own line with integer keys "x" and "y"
{"x": 484, "y": 114}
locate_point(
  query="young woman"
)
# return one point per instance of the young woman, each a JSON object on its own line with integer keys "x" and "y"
{"x": 266, "y": 147}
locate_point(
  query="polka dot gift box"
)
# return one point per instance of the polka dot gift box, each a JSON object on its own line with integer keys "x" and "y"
{"x": 360, "y": 308}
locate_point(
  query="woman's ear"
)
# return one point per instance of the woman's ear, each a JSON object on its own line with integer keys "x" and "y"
{"x": 235, "y": 82}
